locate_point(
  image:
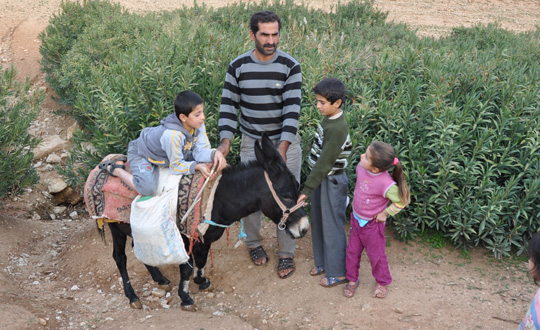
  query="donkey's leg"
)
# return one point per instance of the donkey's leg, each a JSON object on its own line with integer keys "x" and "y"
{"x": 186, "y": 270}
{"x": 200, "y": 253}
{"x": 119, "y": 239}
{"x": 159, "y": 278}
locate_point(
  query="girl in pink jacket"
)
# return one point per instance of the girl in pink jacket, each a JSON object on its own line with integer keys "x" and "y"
{"x": 377, "y": 194}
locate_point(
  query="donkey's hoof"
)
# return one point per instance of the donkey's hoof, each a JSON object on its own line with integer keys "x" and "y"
{"x": 137, "y": 304}
{"x": 166, "y": 287}
{"x": 189, "y": 308}
{"x": 206, "y": 286}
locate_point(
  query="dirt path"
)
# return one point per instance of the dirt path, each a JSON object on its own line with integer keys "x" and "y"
{"x": 59, "y": 275}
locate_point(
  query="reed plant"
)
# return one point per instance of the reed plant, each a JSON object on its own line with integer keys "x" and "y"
{"x": 19, "y": 106}
{"x": 461, "y": 111}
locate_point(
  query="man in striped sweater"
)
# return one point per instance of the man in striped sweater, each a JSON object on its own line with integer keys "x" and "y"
{"x": 265, "y": 85}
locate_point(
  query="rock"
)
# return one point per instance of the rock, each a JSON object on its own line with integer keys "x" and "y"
{"x": 59, "y": 209}
{"x": 67, "y": 196}
{"x": 48, "y": 146}
{"x": 56, "y": 185}
{"x": 53, "y": 159}
{"x": 71, "y": 129}
{"x": 159, "y": 293}
{"x": 87, "y": 146}
{"x": 42, "y": 322}
{"x": 73, "y": 215}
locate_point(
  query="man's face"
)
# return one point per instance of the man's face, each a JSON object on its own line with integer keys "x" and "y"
{"x": 266, "y": 40}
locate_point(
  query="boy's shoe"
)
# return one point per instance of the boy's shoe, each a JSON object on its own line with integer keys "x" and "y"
{"x": 330, "y": 281}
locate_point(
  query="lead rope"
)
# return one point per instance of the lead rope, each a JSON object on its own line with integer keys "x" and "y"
{"x": 286, "y": 211}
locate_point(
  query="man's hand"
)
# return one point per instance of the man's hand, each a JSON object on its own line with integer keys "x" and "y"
{"x": 219, "y": 161}
{"x": 224, "y": 147}
{"x": 282, "y": 149}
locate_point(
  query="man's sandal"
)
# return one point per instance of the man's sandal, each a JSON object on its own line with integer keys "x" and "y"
{"x": 330, "y": 281}
{"x": 283, "y": 264}
{"x": 257, "y": 254}
{"x": 350, "y": 289}
{"x": 109, "y": 165}
{"x": 317, "y": 270}
{"x": 380, "y": 291}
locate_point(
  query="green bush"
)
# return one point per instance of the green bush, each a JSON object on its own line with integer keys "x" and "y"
{"x": 462, "y": 111}
{"x": 18, "y": 108}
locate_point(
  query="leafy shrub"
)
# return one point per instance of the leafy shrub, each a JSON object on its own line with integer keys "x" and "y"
{"x": 18, "y": 108}
{"x": 462, "y": 111}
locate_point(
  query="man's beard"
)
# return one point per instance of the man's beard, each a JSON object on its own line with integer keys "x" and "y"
{"x": 264, "y": 51}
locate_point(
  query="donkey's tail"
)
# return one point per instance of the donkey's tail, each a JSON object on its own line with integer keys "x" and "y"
{"x": 100, "y": 225}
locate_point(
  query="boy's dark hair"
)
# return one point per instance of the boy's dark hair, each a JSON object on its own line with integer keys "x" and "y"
{"x": 331, "y": 89}
{"x": 534, "y": 255}
{"x": 265, "y": 16}
{"x": 185, "y": 102}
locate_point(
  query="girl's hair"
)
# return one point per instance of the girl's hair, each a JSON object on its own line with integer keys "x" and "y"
{"x": 382, "y": 157}
{"x": 534, "y": 255}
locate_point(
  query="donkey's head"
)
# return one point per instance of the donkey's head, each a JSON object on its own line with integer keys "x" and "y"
{"x": 282, "y": 208}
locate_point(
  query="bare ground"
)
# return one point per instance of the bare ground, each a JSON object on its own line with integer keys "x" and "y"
{"x": 59, "y": 274}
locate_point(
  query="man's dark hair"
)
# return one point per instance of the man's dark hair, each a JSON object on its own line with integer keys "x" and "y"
{"x": 265, "y": 16}
{"x": 185, "y": 102}
{"x": 331, "y": 89}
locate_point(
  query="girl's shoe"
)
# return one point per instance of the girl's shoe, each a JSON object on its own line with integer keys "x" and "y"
{"x": 380, "y": 291}
{"x": 350, "y": 289}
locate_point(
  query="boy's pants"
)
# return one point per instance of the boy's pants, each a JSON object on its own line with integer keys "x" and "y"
{"x": 252, "y": 223}
{"x": 145, "y": 174}
{"x": 329, "y": 240}
{"x": 370, "y": 237}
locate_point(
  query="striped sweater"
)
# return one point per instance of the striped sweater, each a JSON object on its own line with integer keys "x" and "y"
{"x": 267, "y": 93}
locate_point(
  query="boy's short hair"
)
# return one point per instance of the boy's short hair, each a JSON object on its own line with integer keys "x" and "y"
{"x": 331, "y": 89}
{"x": 185, "y": 102}
{"x": 265, "y": 16}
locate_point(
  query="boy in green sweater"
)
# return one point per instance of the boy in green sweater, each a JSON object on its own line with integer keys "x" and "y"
{"x": 328, "y": 184}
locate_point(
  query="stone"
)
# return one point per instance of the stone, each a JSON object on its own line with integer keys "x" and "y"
{"x": 67, "y": 196}
{"x": 56, "y": 185}
{"x": 72, "y": 129}
{"x": 59, "y": 209}
{"x": 48, "y": 146}
{"x": 53, "y": 159}
{"x": 159, "y": 293}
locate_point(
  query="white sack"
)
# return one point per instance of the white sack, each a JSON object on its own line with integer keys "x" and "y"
{"x": 157, "y": 240}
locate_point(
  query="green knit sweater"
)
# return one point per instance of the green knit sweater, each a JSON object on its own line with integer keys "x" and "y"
{"x": 330, "y": 151}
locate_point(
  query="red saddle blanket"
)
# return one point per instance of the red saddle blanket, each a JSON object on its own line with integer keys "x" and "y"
{"x": 108, "y": 197}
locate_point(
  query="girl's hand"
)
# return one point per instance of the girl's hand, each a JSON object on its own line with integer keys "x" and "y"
{"x": 381, "y": 217}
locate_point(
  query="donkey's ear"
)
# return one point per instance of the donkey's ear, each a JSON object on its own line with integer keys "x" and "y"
{"x": 268, "y": 156}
